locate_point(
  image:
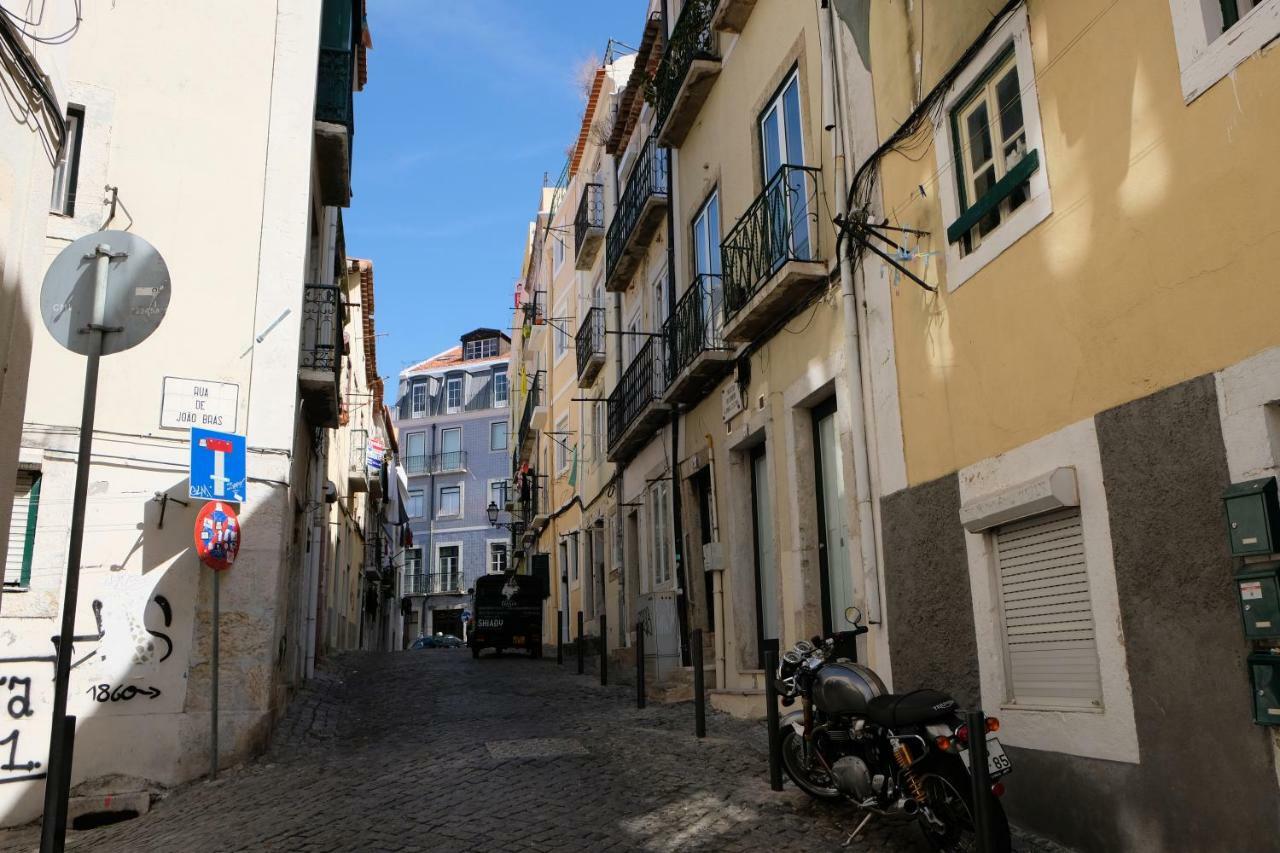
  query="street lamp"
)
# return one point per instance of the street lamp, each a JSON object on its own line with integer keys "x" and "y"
{"x": 492, "y": 512}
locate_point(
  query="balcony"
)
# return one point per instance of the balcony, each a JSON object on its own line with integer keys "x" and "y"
{"x": 434, "y": 583}
{"x": 640, "y": 209}
{"x": 320, "y": 358}
{"x": 414, "y": 464}
{"x": 532, "y": 506}
{"x": 635, "y": 409}
{"x": 588, "y": 226}
{"x": 697, "y": 355}
{"x": 447, "y": 462}
{"x": 690, "y": 65}
{"x": 588, "y": 344}
{"x": 771, "y": 257}
{"x": 358, "y": 468}
{"x": 334, "y": 125}
{"x": 532, "y": 418}
{"x": 731, "y": 15}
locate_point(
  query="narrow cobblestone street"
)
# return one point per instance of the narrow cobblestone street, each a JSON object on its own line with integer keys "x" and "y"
{"x": 431, "y": 750}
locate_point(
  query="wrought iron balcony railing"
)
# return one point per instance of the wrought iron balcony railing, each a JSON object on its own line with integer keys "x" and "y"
{"x": 334, "y": 89}
{"x": 415, "y": 464}
{"x": 588, "y": 343}
{"x": 648, "y": 180}
{"x": 642, "y": 383}
{"x": 433, "y": 583}
{"x": 450, "y": 460}
{"x": 322, "y": 327}
{"x": 589, "y": 221}
{"x": 532, "y": 400}
{"x": 696, "y": 326}
{"x": 779, "y": 226}
{"x": 691, "y": 38}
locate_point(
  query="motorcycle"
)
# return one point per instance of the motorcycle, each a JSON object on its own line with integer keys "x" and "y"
{"x": 906, "y": 754}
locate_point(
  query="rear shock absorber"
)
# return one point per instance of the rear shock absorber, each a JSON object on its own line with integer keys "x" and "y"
{"x": 902, "y": 756}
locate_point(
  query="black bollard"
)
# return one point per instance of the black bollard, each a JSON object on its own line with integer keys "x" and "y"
{"x": 559, "y": 637}
{"x": 604, "y": 651}
{"x": 771, "y": 714}
{"x": 581, "y": 651}
{"x": 699, "y": 695}
{"x": 639, "y": 664}
{"x": 977, "y": 722}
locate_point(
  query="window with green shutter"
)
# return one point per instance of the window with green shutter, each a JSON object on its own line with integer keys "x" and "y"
{"x": 22, "y": 529}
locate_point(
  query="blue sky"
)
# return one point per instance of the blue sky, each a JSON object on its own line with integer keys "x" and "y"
{"x": 468, "y": 103}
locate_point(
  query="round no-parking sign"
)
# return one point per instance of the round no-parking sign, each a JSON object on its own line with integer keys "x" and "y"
{"x": 217, "y": 535}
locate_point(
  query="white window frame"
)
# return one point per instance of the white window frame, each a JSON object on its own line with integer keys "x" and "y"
{"x": 489, "y": 492}
{"x": 659, "y": 525}
{"x": 560, "y": 335}
{"x": 422, "y": 505}
{"x": 1039, "y": 204}
{"x": 500, "y": 403}
{"x": 66, "y": 173}
{"x": 462, "y": 500}
{"x": 489, "y": 550}
{"x": 414, "y": 409}
{"x": 562, "y": 446}
{"x": 1205, "y": 53}
{"x": 480, "y": 348}
{"x": 506, "y": 435}
{"x": 557, "y": 252}
{"x": 448, "y": 386}
{"x": 436, "y": 567}
{"x": 408, "y": 560}
{"x": 1009, "y": 481}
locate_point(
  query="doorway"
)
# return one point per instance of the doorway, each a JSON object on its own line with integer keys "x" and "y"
{"x": 833, "y": 528}
{"x": 702, "y": 491}
{"x": 766, "y": 568}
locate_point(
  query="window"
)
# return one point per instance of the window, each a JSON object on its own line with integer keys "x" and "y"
{"x": 447, "y": 560}
{"x": 66, "y": 174}
{"x": 497, "y": 557}
{"x": 451, "y": 455}
{"x": 498, "y": 493}
{"x": 1214, "y": 36}
{"x": 597, "y": 430}
{"x": 453, "y": 394}
{"x": 450, "y": 500}
{"x": 499, "y": 388}
{"x": 415, "y": 452}
{"x": 482, "y": 348}
{"x": 22, "y": 530}
{"x": 573, "y": 556}
{"x": 418, "y": 395}
{"x": 993, "y": 168}
{"x": 658, "y": 502}
{"x": 558, "y": 251}
{"x": 561, "y": 328}
{"x": 1051, "y": 653}
{"x": 415, "y": 503}
{"x": 562, "y": 445}
{"x": 706, "y": 237}
{"x": 412, "y": 561}
{"x": 990, "y": 146}
{"x": 498, "y": 435}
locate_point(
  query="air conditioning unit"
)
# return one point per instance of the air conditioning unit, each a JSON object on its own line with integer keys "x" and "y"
{"x": 657, "y": 611}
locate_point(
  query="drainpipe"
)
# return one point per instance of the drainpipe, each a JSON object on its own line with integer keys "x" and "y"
{"x": 856, "y": 377}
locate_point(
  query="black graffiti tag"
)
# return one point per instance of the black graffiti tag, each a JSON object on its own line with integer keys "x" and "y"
{"x": 167, "y": 611}
{"x": 122, "y": 692}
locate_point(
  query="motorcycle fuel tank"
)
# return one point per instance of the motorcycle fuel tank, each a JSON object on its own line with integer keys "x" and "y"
{"x": 844, "y": 689}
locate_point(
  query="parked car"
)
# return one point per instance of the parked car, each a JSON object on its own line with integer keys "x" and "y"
{"x": 439, "y": 641}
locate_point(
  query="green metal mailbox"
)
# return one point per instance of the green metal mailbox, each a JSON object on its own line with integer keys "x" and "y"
{"x": 1258, "y": 594}
{"x": 1264, "y": 674}
{"x": 1253, "y": 517}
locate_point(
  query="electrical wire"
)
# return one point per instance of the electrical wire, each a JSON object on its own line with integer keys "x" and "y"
{"x": 61, "y": 38}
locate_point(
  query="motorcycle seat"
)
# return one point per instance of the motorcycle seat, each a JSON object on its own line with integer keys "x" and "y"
{"x": 905, "y": 709}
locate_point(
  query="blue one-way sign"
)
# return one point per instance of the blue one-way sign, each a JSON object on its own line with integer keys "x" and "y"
{"x": 217, "y": 465}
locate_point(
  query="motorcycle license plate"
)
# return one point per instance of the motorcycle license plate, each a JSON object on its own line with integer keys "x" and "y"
{"x": 998, "y": 763}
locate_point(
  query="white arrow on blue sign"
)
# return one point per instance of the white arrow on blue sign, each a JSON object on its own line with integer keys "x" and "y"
{"x": 217, "y": 465}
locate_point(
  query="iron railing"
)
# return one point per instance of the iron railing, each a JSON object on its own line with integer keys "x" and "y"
{"x": 531, "y": 401}
{"x": 648, "y": 178}
{"x": 781, "y": 225}
{"x": 642, "y": 383}
{"x": 322, "y": 317}
{"x": 334, "y": 89}
{"x": 530, "y": 496}
{"x": 590, "y": 214}
{"x": 360, "y": 451}
{"x": 696, "y": 326}
{"x": 691, "y": 38}
{"x": 433, "y": 583}
{"x": 451, "y": 460}
{"x": 589, "y": 341}
{"x": 415, "y": 464}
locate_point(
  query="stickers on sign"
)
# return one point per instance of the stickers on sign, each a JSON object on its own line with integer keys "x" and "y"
{"x": 1251, "y": 589}
{"x": 217, "y": 535}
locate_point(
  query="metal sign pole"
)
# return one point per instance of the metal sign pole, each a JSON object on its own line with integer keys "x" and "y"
{"x": 55, "y": 787}
{"x": 213, "y": 726}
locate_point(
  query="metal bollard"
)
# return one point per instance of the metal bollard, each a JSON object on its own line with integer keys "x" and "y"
{"x": 559, "y": 636}
{"x": 639, "y": 664}
{"x": 581, "y": 650}
{"x": 604, "y": 650}
{"x": 977, "y": 722}
{"x": 771, "y": 714}
{"x": 699, "y": 695}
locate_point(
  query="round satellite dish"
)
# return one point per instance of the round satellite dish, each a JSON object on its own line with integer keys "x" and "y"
{"x": 137, "y": 292}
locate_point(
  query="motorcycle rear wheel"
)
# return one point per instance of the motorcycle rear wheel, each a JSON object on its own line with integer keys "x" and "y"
{"x": 949, "y": 791}
{"x": 815, "y": 782}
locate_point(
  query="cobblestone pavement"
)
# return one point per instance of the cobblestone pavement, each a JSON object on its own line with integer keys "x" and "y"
{"x": 432, "y": 750}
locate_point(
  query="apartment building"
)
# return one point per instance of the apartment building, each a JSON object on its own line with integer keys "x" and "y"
{"x": 1091, "y": 367}
{"x": 452, "y": 427}
{"x": 249, "y": 223}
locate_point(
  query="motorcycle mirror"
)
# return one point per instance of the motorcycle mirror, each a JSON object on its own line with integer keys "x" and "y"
{"x": 852, "y": 615}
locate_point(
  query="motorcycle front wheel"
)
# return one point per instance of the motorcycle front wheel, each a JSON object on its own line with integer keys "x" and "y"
{"x": 814, "y": 781}
{"x": 948, "y": 791}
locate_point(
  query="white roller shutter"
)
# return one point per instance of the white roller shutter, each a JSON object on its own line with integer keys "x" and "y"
{"x": 1050, "y": 647}
{"x": 26, "y": 501}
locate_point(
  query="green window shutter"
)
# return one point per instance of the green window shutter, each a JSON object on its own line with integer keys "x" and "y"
{"x": 1230, "y": 14}
{"x": 335, "y": 25}
{"x": 1001, "y": 190}
{"x": 29, "y": 545}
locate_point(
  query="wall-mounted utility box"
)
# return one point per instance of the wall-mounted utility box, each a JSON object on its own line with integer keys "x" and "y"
{"x": 1258, "y": 594}
{"x": 1264, "y": 676}
{"x": 1253, "y": 517}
